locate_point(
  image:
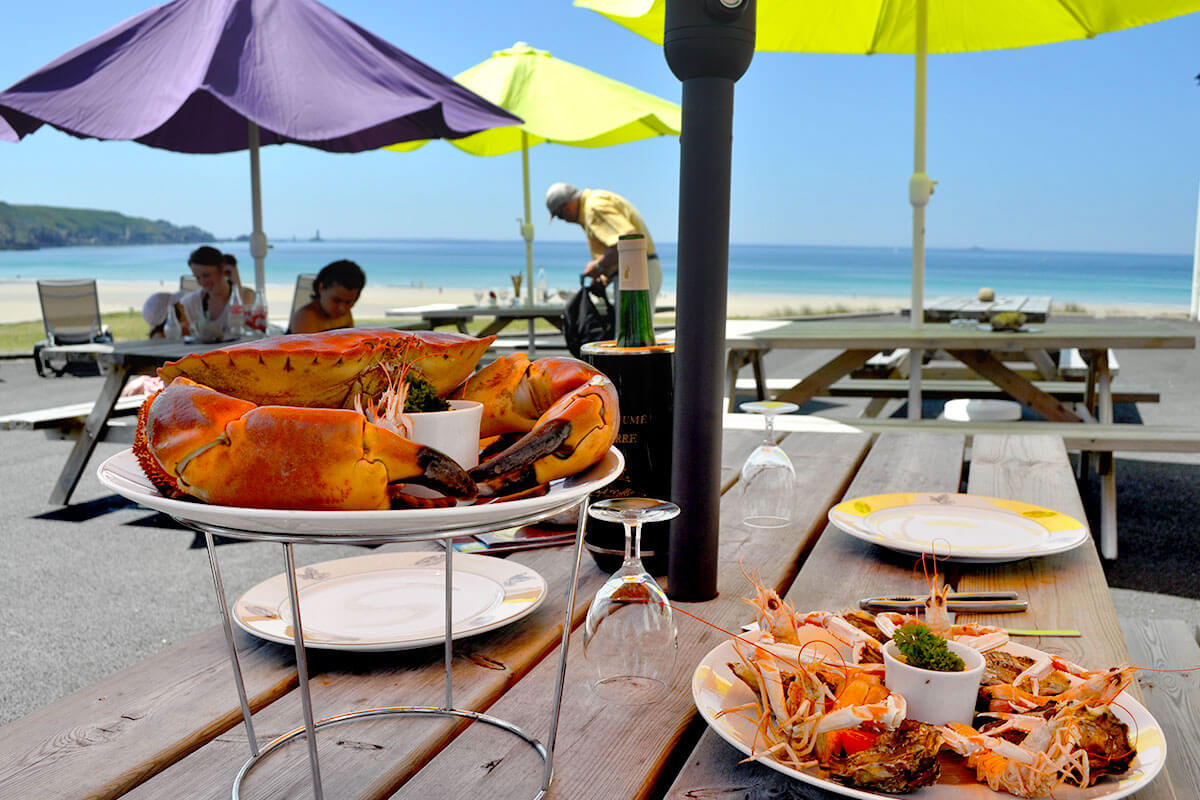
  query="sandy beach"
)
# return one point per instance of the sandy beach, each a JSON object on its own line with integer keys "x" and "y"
{"x": 19, "y": 301}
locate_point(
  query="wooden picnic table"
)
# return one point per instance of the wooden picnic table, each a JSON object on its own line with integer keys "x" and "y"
{"x": 120, "y": 362}
{"x": 947, "y": 307}
{"x": 983, "y": 352}
{"x": 438, "y": 315}
{"x": 170, "y": 726}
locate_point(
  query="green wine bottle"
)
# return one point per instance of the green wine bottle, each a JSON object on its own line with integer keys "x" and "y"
{"x": 635, "y": 322}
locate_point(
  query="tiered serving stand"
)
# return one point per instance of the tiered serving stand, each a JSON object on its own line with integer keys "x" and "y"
{"x": 122, "y": 474}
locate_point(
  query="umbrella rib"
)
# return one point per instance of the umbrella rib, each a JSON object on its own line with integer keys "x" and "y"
{"x": 1079, "y": 20}
{"x": 875, "y": 34}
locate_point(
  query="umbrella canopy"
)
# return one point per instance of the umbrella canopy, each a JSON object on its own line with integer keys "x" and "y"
{"x": 560, "y": 103}
{"x": 918, "y": 27}
{"x": 215, "y": 76}
{"x": 889, "y": 26}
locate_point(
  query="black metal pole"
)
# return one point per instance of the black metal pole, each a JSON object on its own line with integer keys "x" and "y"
{"x": 708, "y": 45}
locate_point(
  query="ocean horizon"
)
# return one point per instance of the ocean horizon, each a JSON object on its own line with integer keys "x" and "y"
{"x": 761, "y": 269}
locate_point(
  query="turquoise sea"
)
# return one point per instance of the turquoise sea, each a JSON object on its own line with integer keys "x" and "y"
{"x": 1097, "y": 278}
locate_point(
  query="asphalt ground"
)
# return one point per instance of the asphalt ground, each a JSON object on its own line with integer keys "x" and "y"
{"x": 91, "y": 588}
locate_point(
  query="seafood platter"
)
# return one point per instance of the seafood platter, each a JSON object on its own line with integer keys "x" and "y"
{"x": 805, "y": 694}
{"x": 275, "y": 433}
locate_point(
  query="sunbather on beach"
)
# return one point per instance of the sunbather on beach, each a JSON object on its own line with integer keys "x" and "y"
{"x": 335, "y": 291}
{"x": 206, "y": 310}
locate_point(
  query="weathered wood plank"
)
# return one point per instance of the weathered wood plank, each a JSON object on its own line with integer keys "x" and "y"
{"x": 1093, "y": 437}
{"x": 76, "y": 414}
{"x": 370, "y": 758}
{"x": 605, "y": 751}
{"x": 1074, "y": 391}
{"x": 826, "y": 335}
{"x": 1067, "y": 590}
{"x": 840, "y": 570}
{"x": 104, "y": 739}
{"x": 1064, "y": 591}
{"x": 1172, "y": 697}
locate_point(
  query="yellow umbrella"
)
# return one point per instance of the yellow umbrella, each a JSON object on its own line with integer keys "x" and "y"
{"x": 560, "y": 103}
{"x": 918, "y": 27}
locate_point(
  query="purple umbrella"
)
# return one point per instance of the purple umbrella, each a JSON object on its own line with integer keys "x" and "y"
{"x": 215, "y": 76}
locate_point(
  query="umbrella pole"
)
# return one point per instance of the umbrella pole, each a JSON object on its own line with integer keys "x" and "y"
{"x": 258, "y": 239}
{"x": 708, "y": 54}
{"x": 527, "y": 235}
{"x": 1195, "y": 310}
{"x": 919, "y": 190}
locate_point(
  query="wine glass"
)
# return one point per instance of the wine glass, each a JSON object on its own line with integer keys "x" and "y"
{"x": 629, "y": 637}
{"x": 768, "y": 477}
{"x": 479, "y": 297}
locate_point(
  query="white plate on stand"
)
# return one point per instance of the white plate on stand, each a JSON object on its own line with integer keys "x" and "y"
{"x": 391, "y": 601}
{"x": 124, "y": 475}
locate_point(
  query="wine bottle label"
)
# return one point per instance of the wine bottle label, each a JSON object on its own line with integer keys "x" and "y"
{"x": 631, "y": 251}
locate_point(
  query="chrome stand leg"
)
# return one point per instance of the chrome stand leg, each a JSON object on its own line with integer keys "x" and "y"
{"x": 560, "y": 681}
{"x": 302, "y": 670}
{"x": 449, "y": 633}
{"x": 227, "y": 626}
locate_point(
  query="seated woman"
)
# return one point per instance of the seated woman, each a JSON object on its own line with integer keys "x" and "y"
{"x": 335, "y": 291}
{"x": 206, "y": 315}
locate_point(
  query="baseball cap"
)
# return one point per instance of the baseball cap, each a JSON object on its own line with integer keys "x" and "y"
{"x": 154, "y": 311}
{"x": 558, "y": 195}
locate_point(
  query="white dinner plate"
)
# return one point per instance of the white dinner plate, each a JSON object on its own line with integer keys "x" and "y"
{"x": 715, "y": 688}
{"x": 391, "y": 601}
{"x": 124, "y": 475}
{"x": 960, "y": 527}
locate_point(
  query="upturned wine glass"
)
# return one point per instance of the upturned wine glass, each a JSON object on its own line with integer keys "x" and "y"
{"x": 629, "y": 640}
{"x": 768, "y": 477}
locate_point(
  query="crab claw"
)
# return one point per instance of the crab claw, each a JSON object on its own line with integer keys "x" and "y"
{"x": 228, "y": 451}
{"x": 575, "y": 432}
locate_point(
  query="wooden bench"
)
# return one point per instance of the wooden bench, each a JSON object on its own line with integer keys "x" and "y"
{"x": 891, "y": 389}
{"x": 1094, "y": 437}
{"x": 65, "y": 422}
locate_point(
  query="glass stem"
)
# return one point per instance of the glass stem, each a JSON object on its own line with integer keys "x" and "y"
{"x": 770, "y": 435}
{"x": 633, "y": 543}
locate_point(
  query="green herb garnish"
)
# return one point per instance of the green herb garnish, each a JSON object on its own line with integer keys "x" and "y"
{"x": 924, "y": 649}
{"x": 421, "y": 395}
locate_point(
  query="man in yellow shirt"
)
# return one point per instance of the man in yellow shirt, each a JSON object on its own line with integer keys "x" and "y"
{"x": 604, "y": 216}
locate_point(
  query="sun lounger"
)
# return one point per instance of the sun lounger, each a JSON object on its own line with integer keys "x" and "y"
{"x": 71, "y": 316}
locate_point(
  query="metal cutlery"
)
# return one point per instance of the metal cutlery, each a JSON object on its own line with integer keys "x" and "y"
{"x": 963, "y": 602}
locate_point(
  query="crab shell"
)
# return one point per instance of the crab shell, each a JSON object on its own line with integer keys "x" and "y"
{"x": 228, "y": 451}
{"x": 268, "y": 424}
{"x": 327, "y": 370}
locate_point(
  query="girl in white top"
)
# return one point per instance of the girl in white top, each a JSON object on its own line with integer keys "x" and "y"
{"x": 206, "y": 316}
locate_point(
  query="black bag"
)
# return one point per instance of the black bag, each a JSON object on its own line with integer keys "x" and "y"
{"x": 583, "y": 322}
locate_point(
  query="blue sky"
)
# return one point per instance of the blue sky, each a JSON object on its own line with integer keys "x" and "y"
{"x": 1085, "y": 145}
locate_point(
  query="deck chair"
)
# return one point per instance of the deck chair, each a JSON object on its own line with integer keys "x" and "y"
{"x": 188, "y": 283}
{"x": 303, "y": 294}
{"x": 70, "y": 315}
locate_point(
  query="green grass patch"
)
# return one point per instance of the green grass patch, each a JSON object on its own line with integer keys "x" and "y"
{"x": 20, "y": 337}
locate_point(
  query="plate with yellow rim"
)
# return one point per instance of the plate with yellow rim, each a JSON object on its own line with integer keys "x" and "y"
{"x": 391, "y": 601}
{"x": 959, "y": 527}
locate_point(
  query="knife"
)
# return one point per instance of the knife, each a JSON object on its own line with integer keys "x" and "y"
{"x": 965, "y": 602}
